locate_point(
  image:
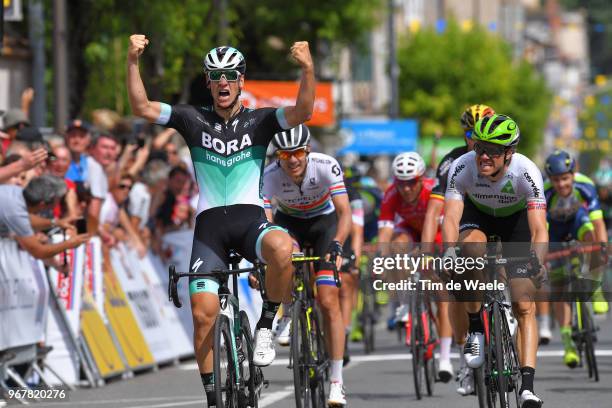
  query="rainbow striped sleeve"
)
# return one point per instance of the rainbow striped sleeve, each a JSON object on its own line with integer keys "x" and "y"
{"x": 267, "y": 203}
{"x": 337, "y": 188}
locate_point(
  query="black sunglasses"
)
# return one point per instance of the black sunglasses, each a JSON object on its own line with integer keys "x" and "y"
{"x": 491, "y": 151}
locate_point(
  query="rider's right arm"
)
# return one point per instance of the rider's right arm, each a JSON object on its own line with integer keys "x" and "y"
{"x": 431, "y": 223}
{"x": 140, "y": 103}
{"x": 453, "y": 210}
{"x": 453, "y": 200}
{"x": 141, "y": 106}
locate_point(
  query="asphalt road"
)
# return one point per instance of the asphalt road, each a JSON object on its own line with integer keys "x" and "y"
{"x": 381, "y": 380}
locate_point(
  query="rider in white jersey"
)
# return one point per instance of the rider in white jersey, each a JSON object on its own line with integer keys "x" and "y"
{"x": 312, "y": 203}
{"x": 520, "y": 186}
{"x": 494, "y": 191}
{"x": 322, "y": 181}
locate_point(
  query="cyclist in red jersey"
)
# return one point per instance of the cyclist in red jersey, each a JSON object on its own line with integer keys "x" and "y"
{"x": 401, "y": 220}
{"x": 402, "y": 213}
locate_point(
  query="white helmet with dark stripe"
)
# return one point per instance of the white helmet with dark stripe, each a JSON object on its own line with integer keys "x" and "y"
{"x": 292, "y": 139}
{"x": 408, "y": 166}
{"x": 224, "y": 58}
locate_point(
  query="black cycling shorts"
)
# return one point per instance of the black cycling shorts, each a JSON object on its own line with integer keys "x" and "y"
{"x": 512, "y": 229}
{"x": 317, "y": 232}
{"x": 239, "y": 227}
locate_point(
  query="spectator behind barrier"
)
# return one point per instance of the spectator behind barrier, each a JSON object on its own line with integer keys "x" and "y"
{"x": 175, "y": 212}
{"x": 58, "y": 167}
{"x": 102, "y": 154}
{"x": 19, "y": 179}
{"x": 114, "y": 219}
{"x": 15, "y": 119}
{"x": 23, "y": 150}
{"x": 19, "y": 216}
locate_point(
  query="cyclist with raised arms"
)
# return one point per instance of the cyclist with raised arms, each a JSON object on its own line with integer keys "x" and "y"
{"x": 313, "y": 205}
{"x": 573, "y": 214}
{"x": 457, "y": 317}
{"x": 228, "y": 145}
{"x": 401, "y": 221}
{"x": 495, "y": 191}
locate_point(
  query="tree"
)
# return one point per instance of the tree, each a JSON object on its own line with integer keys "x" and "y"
{"x": 443, "y": 73}
{"x": 181, "y": 32}
{"x": 269, "y": 28}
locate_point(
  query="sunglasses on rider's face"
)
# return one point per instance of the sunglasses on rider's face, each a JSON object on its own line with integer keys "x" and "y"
{"x": 230, "y": 75}
{"x": 407, "y": 183}
{"x": 286, "y": 155}
{"x": 468, "y": 134}
{"x": 491, "y": 151}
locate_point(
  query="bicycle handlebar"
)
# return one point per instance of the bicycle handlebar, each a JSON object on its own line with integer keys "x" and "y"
{"x": 175, "y": 276}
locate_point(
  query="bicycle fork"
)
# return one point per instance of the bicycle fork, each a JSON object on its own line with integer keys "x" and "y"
{"x": 229, "y": 307}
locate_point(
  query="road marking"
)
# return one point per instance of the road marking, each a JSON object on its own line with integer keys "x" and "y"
{"x": 404, "y": 356}
{"x": 271, "y": 398}
{"x": 171, "y": 404}
{"x": 125, "y": 401}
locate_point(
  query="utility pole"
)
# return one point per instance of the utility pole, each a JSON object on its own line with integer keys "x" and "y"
{"x": 1, "y": 28}
{"x": 36, "y": 32}
{"x": 223, "y": 24}
{"x": 393, "y": 65}
{"x": 60, "y": 65}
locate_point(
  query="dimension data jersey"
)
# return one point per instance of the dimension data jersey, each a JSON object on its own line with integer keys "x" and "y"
{"x": 228, "y": 157}
{"x": 323, "y": 181}
{"x": 520, "y": 187}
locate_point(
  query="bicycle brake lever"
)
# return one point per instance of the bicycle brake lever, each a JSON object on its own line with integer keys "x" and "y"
{"x": 261, "y": 279}
{"x": 333, "y": 259}
{"x": 172, "y": 287}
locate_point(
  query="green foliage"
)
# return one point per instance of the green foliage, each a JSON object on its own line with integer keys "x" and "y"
{"x": 180, "y": 34}
{"x": 442, "y": 74}
{"x": 318, "y": 21}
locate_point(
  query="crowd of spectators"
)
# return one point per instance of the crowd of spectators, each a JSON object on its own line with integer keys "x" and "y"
{"x": 127, "y": 181}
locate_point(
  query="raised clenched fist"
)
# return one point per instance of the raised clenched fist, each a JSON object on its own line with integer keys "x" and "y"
{"x": 138, "y": 42}
{"x": 301, "y": 53}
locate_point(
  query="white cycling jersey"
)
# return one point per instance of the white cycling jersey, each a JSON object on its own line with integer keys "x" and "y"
{"x": 323, "y": 180}
{"x": 520, "y": 187}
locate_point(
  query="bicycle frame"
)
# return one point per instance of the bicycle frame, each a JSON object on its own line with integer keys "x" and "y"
{"x": 229, "y": 303}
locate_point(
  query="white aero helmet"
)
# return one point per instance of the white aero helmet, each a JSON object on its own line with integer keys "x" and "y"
{"x": 224, "y": 58}
{"x": 292, "y": 139}
{"x": 408, "y": 166}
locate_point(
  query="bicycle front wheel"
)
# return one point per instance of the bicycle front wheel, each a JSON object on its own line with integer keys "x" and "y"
{"x": 300, "y": 355}
{"x": 367, "y": 315}
{"x": 479, "y": 387}
{"x": 588, "y": 330}
{"x": 251, "y": 374}
{"x": 416, "y": 346}
{"x": 224, "y": 367}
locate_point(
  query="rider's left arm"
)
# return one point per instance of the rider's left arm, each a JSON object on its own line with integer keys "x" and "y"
{"x": 304, "y": 104}
{"x": 343, "y": 212}
{"x": 601, "y": 233}
{"x": 539, "y": 233}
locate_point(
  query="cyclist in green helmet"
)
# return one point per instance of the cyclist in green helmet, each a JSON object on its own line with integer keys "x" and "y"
{"x": 493, "y": 190}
